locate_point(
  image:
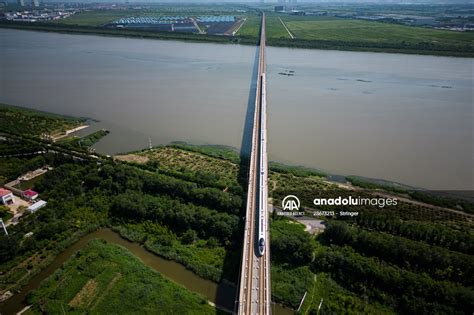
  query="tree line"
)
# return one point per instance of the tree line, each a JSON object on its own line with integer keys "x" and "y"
{"x": 439, "y": 263}
{"x": 429, "y": 232}
{"x": 408, "y": 292}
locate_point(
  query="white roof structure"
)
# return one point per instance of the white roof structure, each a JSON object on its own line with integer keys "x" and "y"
{"x": 37, "y": 205}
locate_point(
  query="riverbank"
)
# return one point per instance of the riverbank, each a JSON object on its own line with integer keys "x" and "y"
{"x": 68, "y": 132}
{"x": 220, "y": 295}
{"x": 380, "y": 47}
{"x": 169, "y": 269}
{"x": 175, "y": 205}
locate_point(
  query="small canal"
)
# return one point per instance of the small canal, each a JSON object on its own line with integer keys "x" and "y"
{"x": 223, "y": 295}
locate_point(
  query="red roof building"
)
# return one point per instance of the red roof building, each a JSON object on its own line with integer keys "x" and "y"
{"x": 6, "y": 196}
{"x": 30, "y": 194}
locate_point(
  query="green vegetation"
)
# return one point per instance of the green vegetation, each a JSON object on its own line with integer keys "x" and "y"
{"x": 96, "y": 17}
{"x": 251, "y": 28}
{"x": 334, "y": 299}
{"x": 83, "y": 195}
{"x": 95, "y": 279}
{"x": 203, "y": 257}
{"x": 456, "y": 238}
{"x": 11, "y": 168}
{"x": 5, "y": 213}
{"x": 294, "y": 274}
{"x": 84, "y": 142}
{"x": 347, "y": 34}
{"x": 338, "y": 29}
{"x": 217, "y": 151}
{"x": 182, "y": 162}
{"x": 275, "y": 29}
{"x": 439, "y": 263}
{"x": 289, "y": 284}
{"x": 311, "y": 32}
{"x": 442, "y": 200}
{"x": 452, "y": 201}
{"x": 411, "y": 258}
{"x": 369, "y": 183}
{"x": 405, "y": 291}
{"x": 299, "y": 171}
{"x": 29, "y": 184}
{"x": 98, "y": 30}
{"x": 32, "y": 122}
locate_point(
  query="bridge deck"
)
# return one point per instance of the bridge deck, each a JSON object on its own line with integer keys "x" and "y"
{"x": 254, "y": 290}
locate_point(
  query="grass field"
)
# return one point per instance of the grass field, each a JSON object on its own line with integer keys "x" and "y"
{"x": 95, "y": 18}
{"x": 309, "y": 31}
{"x": 96, "y": 279}
{"x": 275, "y": 29}
{"x": 375, "y": 32}
{"x": 251, "y": 26}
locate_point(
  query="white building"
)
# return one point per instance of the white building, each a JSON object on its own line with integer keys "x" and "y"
{"x": 36, "y": 206}
{"x": 6, "y": 197}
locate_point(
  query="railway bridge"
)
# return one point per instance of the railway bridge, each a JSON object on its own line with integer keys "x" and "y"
{"x": 255, "y": 286}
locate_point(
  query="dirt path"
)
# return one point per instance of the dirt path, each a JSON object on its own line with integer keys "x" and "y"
{"x": 109, "y": 287}
{"x": 286, "y": 28}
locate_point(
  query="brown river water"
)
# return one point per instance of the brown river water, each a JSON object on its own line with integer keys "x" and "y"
{"x": 405, "y": 118}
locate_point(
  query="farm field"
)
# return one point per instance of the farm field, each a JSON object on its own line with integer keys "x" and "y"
{"x": 94, "y": 281}
{"x": 275, "y": 29}
{"x": 362, "y": 31}
{"x": 95, "y": 18}
{"x": 314, "y": 32}
{"x": 251, "y": 26}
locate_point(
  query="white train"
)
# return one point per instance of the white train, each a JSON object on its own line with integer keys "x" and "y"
{"x": 263, "y": 176}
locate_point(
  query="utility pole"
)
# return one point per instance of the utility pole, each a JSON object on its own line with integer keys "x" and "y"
{"x": 4, "y": 227}
{"x": 320, "y": 304}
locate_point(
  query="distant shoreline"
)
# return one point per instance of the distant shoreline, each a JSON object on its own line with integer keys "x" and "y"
{"x": 243, "y": 40}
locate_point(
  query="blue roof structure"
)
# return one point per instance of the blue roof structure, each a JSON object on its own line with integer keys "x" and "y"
{"x": 215, "y": 18}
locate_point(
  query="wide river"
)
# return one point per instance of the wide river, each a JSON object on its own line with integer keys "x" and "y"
{"x": 404, "y": 118}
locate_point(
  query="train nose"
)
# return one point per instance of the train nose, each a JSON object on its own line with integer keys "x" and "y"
{"x": 261, "y": 245}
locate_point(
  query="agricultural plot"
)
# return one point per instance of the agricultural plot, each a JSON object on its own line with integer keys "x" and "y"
{"x": 346, "y": 30}
{"x": 175, "y": 160}
{"x": 275, "y": 29}
{"x": 95, "y": 18}
{"x": 251, "y": 27}
{"x": 95, "y": 279}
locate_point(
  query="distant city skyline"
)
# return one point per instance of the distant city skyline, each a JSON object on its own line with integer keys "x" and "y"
{"x": 263, "y": 1}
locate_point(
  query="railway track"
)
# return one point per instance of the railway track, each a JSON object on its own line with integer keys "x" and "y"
{"x": 254, "y": 289}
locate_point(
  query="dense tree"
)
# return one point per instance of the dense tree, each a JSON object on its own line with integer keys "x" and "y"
{"x": 438, "y": 262}
{"x": 410, "y": 293}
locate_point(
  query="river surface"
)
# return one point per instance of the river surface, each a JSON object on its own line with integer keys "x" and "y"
{"x": 223, "y": 294}
{"x": 404, "y": 118}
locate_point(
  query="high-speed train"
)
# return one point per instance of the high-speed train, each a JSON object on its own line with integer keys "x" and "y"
{"x": 263, "y": 192}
